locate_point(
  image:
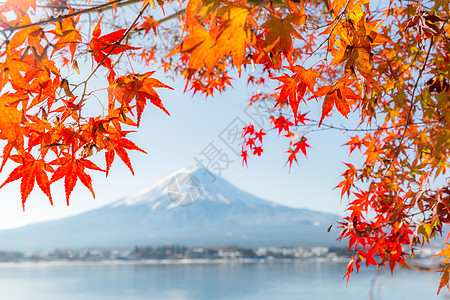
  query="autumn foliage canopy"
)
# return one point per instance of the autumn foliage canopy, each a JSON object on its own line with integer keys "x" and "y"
{"x": 386, "y": 63}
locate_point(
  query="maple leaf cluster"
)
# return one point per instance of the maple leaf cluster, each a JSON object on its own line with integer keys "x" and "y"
{"x": 42, "y": 124}
{"x": 387, "y": 67}
{"x": 252, "y": 141}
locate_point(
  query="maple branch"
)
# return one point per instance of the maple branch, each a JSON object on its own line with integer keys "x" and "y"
{"x": 337, "y": 19}
{"x": 98, "y": 8}
{"x": 183, "y": 11}
{"x": 397, "y": 151}
{"x": 130, "y": 27}
{"x": 342, "y": 128}
{"x": 137, "y": 30}
{"x": 118, "y": 3}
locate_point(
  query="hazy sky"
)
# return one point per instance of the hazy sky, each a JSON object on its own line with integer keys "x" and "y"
{"x": 176, "y": 141}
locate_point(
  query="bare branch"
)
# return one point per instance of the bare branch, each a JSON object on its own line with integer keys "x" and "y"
{"x": 98, "y": 8}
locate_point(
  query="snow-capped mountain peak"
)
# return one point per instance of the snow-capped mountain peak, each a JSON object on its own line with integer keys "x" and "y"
{"x": 187, "y": 207}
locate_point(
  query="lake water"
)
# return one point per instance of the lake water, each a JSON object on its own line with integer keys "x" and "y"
{"x": 296, "y": 280}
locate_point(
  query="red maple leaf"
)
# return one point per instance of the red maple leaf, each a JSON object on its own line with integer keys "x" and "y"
{"x": 259, "y": 135}
{"x": 140, "y": 88}
{"x": 30, "y": 170}
{"x": 118, "y": 144}
{"x": 292, "y": 157}
{"x": 339, "y": 95}
{"x": 250, "y": 142}
{"x": 250, "y": 129}
{"x": 244, "y": 156}
{"x": 281, "y": 123}
{"x": 72, "y": 169}
{"x": 294, "y": 87}
{"x": 301, "y": 145}
{"x": 102, "y": 47}
{"x": 149, "y": 23}
{"x": 257, "y": 151}
{"x": 293, "y": 151}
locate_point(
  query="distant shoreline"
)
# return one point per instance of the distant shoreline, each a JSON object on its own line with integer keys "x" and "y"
{"x": 63, "y": 263}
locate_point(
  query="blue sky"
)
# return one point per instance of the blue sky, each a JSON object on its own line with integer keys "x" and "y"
{"x": 174, "y": 142}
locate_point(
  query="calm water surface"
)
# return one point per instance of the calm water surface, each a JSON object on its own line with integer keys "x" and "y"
{"x": 299, "y": 280}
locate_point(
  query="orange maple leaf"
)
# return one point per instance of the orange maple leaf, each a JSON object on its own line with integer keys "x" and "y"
{"x": 149, "y": 23}
{"x": 67, "y": 34}
{"x": 279, "y": 32}
{"x": 102, "y": 47}
{"x": 339, "y": 95}
{"x": 12, "y": 70}
{"x": 118, "y": 144}
{"x": 234, "y": 34}
{"x": 22, "y": 5}
{"x": 199, "y": 43}
{"x": 30, "y": 170}
{"x": 294, "y": 87}
{"x": 140, "y": 88}
{"x": 72, "y": 169}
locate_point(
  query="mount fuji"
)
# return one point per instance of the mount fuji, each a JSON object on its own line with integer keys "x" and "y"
{"x": 189, "y": 207}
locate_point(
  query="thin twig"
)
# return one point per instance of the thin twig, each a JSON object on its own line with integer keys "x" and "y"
{"x": 130, "y": 27}
{"x": 337, "y": 19}
{"x": 59, "y": 18}
{"x": 137, "y": 30}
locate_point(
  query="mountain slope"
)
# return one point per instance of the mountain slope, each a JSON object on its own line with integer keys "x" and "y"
{"x": 222, "y": 214}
